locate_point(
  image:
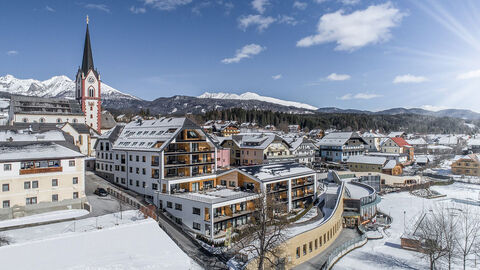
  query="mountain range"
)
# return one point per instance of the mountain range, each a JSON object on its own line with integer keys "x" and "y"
{"x": 115, "y": 100}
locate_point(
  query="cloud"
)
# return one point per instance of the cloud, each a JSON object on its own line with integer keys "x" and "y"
{"x": 433, "y": 108}
{"x": 167, "y": 4}
{"x": 138, "y": 10}
{"x": 355, "y": 30}
{"x": 197, "y": 9}
{"x": 12, "y": 53}
{"x": 48, "y": 8}
{"x": 408, "y": 78}
{"x": 287, "y": 20}
{"x": 246, "y": 52}
{"x": 350, "y": 2}
{"x": 101, "y": 7}
{"x": 300, "y": 5}
{"x": 277, "y": 77}
{"x": 359, "y": 96}
{"x": 338, "y": 77}
{"x": 259, "y": 5}
{"x": 469, "y": 75}
{"x": 260, "y": 21}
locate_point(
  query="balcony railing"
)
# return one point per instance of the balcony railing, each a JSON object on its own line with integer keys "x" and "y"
{"x": 41, "y": 170}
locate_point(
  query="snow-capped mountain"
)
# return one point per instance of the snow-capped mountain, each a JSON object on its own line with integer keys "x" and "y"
{"x": 254, "y": 96}
{"x": 57, "y": 86}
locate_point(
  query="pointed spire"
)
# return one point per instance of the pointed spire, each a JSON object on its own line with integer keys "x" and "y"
{"x": 87, "y": 62}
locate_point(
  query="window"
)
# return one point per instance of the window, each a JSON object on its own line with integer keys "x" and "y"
{"x": 5, "y": 187}
{"x": 154, "y": 186}
{"x": 131, "y": 169}
{"x": 316, "y": 244}
{"x": 137, "y": 183}
{"x": 91, "y": 91}
{"x": 42, "y": 120}
{"x": 196, "y": 226}
{"x": 231, "y": 183}
{"x": 144, "y": 185}
{"x": 55, "y": 198}
{"x": 137, "y": 158}
{"x": 7, "y": 167}
{"x": 25, "y": 120}
{"x": 310, "y": 246}
{"x": 71, "y": 163}
{"x": 75, "y": 195}
{"x": 144, "y": 171}
{"x": 131, "y": 182}
{"x": 298, "y": 252}
{"x": 59, "y": 120}
{"x": 75, "y": 180}
{"x": 223, "y": 182}
{"x": 196, "y": 211}
{"x": 169, "y": 204}
{"x": 178, "y": 207}
{"x": 35, "y": 184}
{"x": 144, "y": 159}
{"x": 26, "y": 185}
{"x": 6, "y": 204}
{"x": 131, "y": 158}
{"x": 305, "y": 249}
{"x": 31, "y": 200}
{"x": 54, "y": 182}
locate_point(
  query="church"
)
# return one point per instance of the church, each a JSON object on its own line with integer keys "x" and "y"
{"x": 85, "y": 109}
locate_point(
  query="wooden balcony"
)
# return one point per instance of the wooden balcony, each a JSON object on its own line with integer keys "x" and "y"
{"x": 41, "y": 170}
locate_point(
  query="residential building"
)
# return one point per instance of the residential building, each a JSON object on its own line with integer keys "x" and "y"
{"x": 39, "y": 172}
{"x": 397, "y": 145}
{"x": 303, "y": 149}
{"x": 373, "y": 141}
{"x": 257, "y": 148}
{"x": 149, "y": 151}
{"x": 85, "y": 137}
{"x": 467, "y": 165}
{"x": 373, "y": 164}
{"x": 211, "y": 204}
{"x": 339, "y": 146}
{"x": 104, "y": 162}
{"x": 293, "y": 128}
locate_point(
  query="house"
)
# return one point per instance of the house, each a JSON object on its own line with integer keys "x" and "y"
{"x": 39, "y": 172}
{"x": 303, "y": 149}
{"x": 467, "y": 165}
{"x": 373, "y": 164}
{"x": 85, "y": 137}
{"x": 123, "y": 118}
{"x": 473, "y": 145}
{"x": 399, "y": 134}
{"x": 397, "y": 145}
{"x": 373, "y": 141}
{"x": 147, "y": 152}
{"x": 316, "y": 133}
{"x": 339, "y": 146}
{"x": 229, "y": 130}
{"x": 212, "y": 204}
{"x": 293, "y": 128}
{"x": 257, "y": 148}
{"x": 108, "y": 122}
{"x": 418, "y": 144}
{"x": 4, "y": 110}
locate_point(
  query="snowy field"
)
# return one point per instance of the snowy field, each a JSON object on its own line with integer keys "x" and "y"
{"x": 386, "y": 253}
{"x": 95, "y": 243}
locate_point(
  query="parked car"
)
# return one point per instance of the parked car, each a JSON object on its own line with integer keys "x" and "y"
{"x": 101, "y": 192}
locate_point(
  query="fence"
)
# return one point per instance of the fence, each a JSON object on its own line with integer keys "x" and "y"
{"x": 147, "y": 210}
{"x": 346, "y": 247}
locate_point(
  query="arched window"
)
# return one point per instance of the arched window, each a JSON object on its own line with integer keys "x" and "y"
{"x": 59, "y": 120}
{"x": 91, "y": 91}
{"x": 42, "y": 120}
{"x": 25, "y": 120}
{"x": 75, "y": 120}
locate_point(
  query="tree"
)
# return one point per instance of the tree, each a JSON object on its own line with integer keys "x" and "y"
{"x": 264, "y": 234}
{"x": 468, "y": 233}
{"x": 430, "y": 232}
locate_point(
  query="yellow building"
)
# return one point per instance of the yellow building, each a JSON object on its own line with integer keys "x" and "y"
{"x": 40, "y": 176}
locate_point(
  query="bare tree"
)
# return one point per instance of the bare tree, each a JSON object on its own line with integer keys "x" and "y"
{"x": 468, "y": 236}
{"x": 430, "y": 232}
{"x": 265, "y": 232}
{"x": 448, "y": 219}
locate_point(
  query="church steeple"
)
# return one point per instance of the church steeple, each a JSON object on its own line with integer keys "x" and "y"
{"x": 87, "y": 62}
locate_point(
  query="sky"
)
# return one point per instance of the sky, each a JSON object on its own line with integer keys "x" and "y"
{"x": 358, "y": 54}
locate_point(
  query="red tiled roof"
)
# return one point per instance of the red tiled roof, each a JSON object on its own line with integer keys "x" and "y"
{"x": 400, "y": 141}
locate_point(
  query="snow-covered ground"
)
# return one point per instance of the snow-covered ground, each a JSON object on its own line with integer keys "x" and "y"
{"x": 45, "y": 217}
{"x": 386, "y": 253}
{"x": 95, "y": 243}
{"x": 309, "y": 215}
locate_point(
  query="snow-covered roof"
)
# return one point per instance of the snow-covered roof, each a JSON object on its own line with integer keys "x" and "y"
{"x": 396, "y": 134}
{"x": 28, "y": 136}
{"x": 390, "y": 165}
{"x": 35, "y": 151}
{"x": 266, "y": 173}
{"x": 417, "y": 141}
{"x": 367, "y": 160}
{"x": 338, "y": 138}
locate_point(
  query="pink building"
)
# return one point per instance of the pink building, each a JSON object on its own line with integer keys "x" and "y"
{"x": 223, "y": 158}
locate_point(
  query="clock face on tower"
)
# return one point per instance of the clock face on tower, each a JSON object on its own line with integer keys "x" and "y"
{"x": 91, "y": 79}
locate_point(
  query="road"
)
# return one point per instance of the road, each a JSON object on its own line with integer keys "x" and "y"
{"x": 101, "y": 205}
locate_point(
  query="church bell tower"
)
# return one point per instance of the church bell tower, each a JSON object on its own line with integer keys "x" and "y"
{"x": 88, "y": 86}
